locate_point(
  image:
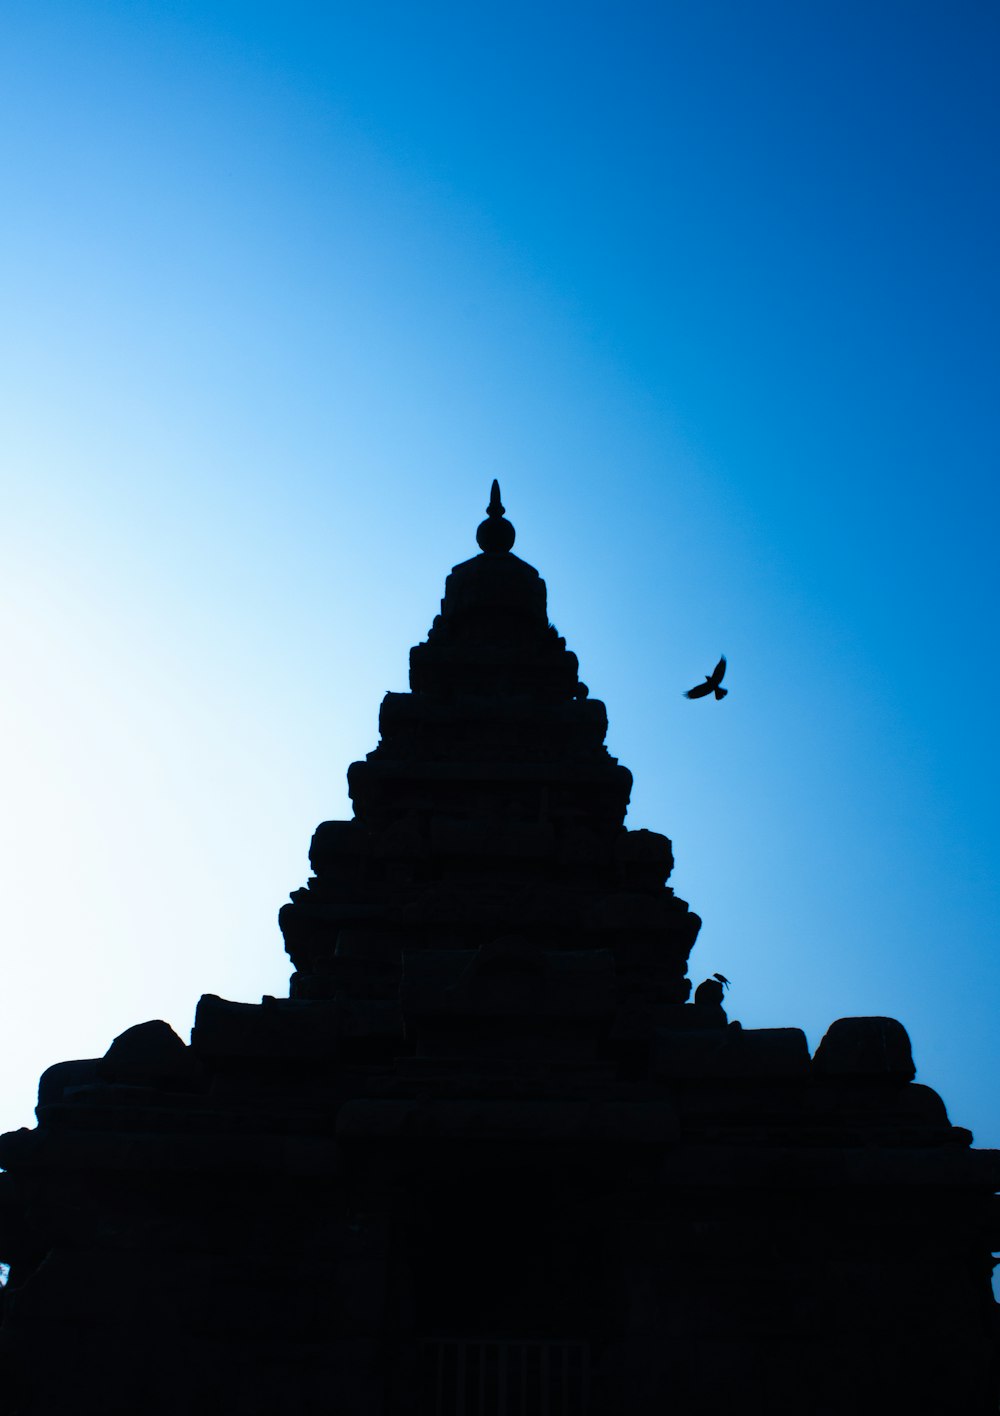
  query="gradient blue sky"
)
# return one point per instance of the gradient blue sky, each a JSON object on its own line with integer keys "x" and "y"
{"x": 712, "y": 289}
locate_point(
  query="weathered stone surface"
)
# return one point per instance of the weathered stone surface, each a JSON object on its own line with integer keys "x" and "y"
{"x": 736, "y": 1053}
{"x": 63, "y": 1077}
{"x": 868, "y": 1049}
{"x": 150, "y": 1054}
{"x": 282, "y": 1028}
{"x": 646, "y": 1123}
{"x": 509, "y": 977}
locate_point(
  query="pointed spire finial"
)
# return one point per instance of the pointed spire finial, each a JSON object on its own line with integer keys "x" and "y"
{"x": 495, "y": 533}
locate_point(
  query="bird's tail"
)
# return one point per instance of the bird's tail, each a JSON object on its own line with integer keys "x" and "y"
{"x": 721, "y": 692}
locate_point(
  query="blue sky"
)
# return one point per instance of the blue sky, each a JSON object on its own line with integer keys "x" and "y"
{"x": 710, "y": 287}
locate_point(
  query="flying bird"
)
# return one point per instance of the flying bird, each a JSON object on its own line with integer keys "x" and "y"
{"x": 711, "y": 684}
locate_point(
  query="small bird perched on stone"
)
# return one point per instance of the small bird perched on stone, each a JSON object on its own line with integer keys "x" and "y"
{"x": 711, "y": 684}
{"x": 722, "y": 979}
{"x": 711, "y": 991}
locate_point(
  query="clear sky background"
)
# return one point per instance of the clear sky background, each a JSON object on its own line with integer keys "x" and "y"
{"x": 711, "y": 287}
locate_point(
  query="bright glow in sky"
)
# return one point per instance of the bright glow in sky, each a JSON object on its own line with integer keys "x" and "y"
{"x": 711, "y": 287}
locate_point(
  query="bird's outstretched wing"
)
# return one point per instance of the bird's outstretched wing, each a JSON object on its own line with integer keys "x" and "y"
{"x": 711, "y": 684}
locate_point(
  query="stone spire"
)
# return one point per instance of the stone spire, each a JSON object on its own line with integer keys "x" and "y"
{"x": 491, "y": 808}
{"x": 495, "y": 534}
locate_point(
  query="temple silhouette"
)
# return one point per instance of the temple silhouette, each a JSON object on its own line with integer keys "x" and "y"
{"x": 487, "y": 1159}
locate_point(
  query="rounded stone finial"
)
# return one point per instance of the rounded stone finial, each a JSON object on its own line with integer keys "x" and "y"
{"x": 496, "y": 532}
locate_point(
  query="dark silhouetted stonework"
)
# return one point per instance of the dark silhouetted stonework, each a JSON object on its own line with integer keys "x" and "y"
{"x": 487, "y": 1159}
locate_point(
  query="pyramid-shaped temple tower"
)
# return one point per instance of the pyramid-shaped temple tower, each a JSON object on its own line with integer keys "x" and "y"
{"x": 487, "y": 1159}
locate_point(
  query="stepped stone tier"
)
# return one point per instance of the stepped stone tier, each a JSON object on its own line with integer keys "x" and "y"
{"x": 487, "y": 1159}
